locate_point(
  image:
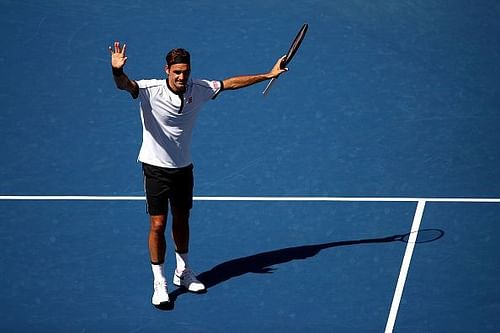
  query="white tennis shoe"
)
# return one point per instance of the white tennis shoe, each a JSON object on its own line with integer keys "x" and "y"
{"x": 189, "y": 281}
{"x": 160, "y": 295}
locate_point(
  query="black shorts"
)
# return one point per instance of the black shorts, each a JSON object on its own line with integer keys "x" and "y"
{"x": 164, "y": 185}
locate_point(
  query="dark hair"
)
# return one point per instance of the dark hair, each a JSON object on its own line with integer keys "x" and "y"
{"x": 178, "y": 56}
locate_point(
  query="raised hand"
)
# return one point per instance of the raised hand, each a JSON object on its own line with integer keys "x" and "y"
{"x": 118, "y": 58}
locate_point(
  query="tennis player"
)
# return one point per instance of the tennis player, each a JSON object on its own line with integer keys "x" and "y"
{"x": 168, "y": 112}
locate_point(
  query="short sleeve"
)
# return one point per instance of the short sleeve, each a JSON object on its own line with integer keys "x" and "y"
{"x": 145, "y": 86}
{"x": 208, "y": 88}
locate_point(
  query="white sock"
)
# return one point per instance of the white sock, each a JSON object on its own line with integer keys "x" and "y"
{"x": 158, "y": 272}
{"x": 182, "y": 262}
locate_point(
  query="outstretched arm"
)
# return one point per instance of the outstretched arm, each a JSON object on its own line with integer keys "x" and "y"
{"x": 118, "y": 60}
{"x": 242, "y": 81}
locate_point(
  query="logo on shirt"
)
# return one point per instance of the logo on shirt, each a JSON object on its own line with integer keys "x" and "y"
{"x": 216, "y": 84}
{"x": 189, "y": 100}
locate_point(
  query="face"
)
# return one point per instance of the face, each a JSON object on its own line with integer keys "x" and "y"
{"x": 178, "y": 75}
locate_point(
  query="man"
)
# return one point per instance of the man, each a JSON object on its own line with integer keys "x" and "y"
{"x": 168, "y": 112}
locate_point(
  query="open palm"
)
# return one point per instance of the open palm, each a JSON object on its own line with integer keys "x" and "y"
{"x": 118, "y": 57}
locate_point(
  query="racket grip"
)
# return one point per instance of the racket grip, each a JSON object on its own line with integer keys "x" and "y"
{"x": 268, "y": 87}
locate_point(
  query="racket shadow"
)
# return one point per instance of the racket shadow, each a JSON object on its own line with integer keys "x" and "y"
{"x": 262, "y": 263}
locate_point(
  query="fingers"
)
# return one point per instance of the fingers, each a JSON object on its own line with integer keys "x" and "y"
{"x": 279, "y": 67}
{"x": 116, "y": 48}
{"x": 282, "y": 60}
{"x": 280, "y": 63}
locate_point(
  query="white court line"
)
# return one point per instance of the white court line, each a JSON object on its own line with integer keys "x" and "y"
{"x": 245, "y": 198}
{"x": 405, "y": 266}
{"x": 350, "y": 199}
{"x": 71, "y": 198}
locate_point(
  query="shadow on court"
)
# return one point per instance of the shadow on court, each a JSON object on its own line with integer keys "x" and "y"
{"x": 262, "y": 263}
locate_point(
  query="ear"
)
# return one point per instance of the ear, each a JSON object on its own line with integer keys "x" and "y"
{"x": 167, "y": 69}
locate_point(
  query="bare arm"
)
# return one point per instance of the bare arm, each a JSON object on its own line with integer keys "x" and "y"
{"x": 242, "y": 81}
{"x": 118, "y": 60}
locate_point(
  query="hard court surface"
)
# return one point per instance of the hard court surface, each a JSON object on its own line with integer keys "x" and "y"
{"x": 386, "y": 124}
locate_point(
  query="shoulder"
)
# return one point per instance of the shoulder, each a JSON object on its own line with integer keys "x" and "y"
{"x": 150, "y": 83}
{"x": 209, "y": 89}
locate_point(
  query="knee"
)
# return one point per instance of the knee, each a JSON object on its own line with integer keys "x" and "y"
{"x": 158, "y": 223}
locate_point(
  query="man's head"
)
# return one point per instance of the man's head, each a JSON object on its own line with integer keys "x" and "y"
{"x": 178, "y": 69}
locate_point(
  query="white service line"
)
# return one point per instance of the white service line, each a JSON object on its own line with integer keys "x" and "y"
{"x": 405, "y": 266}
{"x": 248, "y": 198}
{"x": 71, "y": 198}
{"x": 349, "y": 199}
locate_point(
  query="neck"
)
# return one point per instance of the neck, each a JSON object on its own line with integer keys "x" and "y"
{"x": 175, "y": 91}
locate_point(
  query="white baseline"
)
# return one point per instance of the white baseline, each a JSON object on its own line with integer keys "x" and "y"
{"x": 250, "y": 198}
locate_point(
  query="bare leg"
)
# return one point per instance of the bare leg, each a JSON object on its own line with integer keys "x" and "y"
{"x": 157, "y": 249}
{"x": 157, "y": 243}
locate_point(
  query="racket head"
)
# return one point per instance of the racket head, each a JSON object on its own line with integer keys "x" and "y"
{"x": 295, "y": 45}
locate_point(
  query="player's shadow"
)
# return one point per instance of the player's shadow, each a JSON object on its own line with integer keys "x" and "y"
{"x": 262, "y": 263}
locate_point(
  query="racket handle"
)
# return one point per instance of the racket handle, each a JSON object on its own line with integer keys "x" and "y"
{"x": 268, "y": 87}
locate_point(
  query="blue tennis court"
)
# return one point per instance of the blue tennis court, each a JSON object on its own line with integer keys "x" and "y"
{"x": 387, "y": 124}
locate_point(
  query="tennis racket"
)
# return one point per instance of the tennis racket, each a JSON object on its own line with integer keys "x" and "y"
{"x": 290, "y": 54}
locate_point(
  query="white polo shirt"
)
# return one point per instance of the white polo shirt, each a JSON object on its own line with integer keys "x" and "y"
{"x": 168, "y": 120}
